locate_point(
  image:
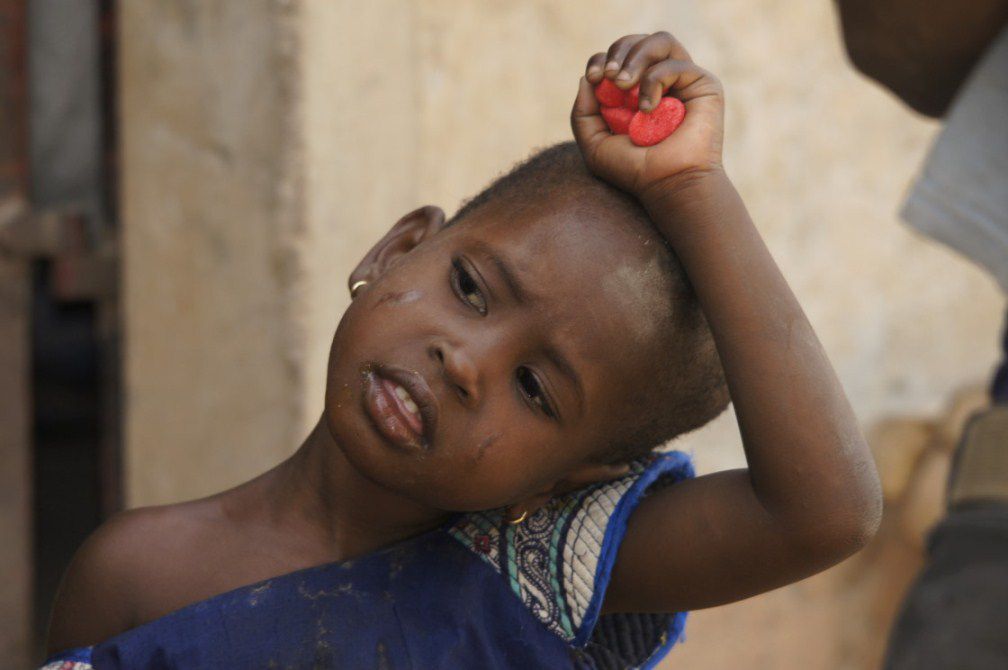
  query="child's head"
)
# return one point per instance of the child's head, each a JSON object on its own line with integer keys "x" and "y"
{"x": 547, "y": 332}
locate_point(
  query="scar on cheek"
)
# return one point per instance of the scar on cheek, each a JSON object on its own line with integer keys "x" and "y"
{"x": 485, "y": 444}
{"x": 399, "y": 297}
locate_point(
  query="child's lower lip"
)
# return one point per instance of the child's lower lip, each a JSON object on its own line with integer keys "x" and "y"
{"x": 381, "y": 405}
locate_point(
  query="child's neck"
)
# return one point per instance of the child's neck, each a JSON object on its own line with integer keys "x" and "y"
{"x": 348, "y": 512}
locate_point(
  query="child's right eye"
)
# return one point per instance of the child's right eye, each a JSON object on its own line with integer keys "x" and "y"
{"x": 466, "y": 288}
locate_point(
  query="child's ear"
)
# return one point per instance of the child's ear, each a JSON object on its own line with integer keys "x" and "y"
{"x": 403, "y": 237}
{"x": 585, "y": 475}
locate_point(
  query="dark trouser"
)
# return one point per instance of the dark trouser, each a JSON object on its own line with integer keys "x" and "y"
{"x": 999, "y": 388}
{"x": 956, "y": 615}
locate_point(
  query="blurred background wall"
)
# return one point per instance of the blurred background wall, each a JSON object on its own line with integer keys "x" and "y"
{"x": 264, "y": 145}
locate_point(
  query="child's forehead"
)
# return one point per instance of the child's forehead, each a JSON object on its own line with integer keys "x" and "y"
{"x": 553, "y": 231}
{"x": 581, "y": 269}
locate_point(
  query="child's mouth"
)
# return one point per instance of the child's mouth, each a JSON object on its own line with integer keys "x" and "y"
{"x": 401, "y": 405}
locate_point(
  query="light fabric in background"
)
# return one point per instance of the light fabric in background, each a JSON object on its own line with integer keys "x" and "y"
{"x": 961, "y": 197}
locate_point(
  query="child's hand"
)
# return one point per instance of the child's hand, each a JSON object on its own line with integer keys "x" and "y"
{"x": 659, "y": 63}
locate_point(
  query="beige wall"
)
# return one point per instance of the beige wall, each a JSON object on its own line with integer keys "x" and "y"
{"x": 266, "y": 145}
{"x": 213, "y": 236}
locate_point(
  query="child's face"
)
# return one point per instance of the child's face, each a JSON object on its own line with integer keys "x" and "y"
{"x": 522, "y": 390}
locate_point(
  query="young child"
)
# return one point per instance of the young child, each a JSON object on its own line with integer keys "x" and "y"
{"x": 494, "y": 393}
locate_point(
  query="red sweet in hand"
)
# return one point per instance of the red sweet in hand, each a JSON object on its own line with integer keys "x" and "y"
{"x": 619, "y": 109}
{"x": 650, "y": 128}
{"x": 617, "y": 118}
{"x": 610, "y": 95}
{"x": 633, "y": 98}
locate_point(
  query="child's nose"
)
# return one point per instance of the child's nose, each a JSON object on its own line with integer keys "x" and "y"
{"x": 459, "y": 371}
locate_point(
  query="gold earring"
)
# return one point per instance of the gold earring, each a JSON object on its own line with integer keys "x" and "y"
{"x": 357, "y": 285}
{"x": 515, "y": 522}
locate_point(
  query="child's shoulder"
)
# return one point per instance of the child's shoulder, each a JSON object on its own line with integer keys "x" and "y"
{"x": 134, "y": 559}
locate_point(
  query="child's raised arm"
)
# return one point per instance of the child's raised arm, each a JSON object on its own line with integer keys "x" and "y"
{"x": 810, "y": 496}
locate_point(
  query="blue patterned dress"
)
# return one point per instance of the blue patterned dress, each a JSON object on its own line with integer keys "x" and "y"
{"x": 478, "y": 593}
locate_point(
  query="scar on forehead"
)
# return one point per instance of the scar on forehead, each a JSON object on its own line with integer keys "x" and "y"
{"x": 485, "y": 444}
{"x": 399, "y": 297}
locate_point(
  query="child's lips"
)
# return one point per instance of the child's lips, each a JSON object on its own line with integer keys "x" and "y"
{"x": 401, "y": 405}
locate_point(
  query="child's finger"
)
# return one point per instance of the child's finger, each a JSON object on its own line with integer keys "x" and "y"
{"x": 594, "y": 68}
{"x": 651, "y": 49}
{"x": 686, "y": 78}
{"x": 618, "y": 51}
{"x": 588, "y": 126}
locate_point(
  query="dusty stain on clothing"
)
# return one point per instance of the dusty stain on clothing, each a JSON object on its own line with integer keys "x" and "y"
{"x": 253, "y": 598}
{"x": 382, "y": 656}
{"x": 341, "y": 590}
{"x": 397, "y": 560}
{"x": 324, "y": 657}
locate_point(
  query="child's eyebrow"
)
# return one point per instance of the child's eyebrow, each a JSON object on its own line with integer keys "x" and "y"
{"x": 518, "y": 290}
{"x": 556, "y": 357}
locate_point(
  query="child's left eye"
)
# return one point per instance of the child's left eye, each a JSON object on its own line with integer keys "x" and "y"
{"x": 533, "y": 390}
{"x": 467, "y": 288}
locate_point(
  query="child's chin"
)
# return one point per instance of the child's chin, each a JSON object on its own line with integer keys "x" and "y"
{"x": 423, "y": 479}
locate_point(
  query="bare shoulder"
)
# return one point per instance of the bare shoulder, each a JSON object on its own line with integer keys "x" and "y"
{"x": 121, "y": 564}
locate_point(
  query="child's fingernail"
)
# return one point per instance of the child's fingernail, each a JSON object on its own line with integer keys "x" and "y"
{"x": 623, "y": 76}
{"x": 612, "y": 65}
{"x": 645, "y": 104}
{"x": 594, "y": 70}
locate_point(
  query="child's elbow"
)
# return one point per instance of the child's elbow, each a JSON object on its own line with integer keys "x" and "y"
{"x": 868, "y": 508}
{"x": 852, "y": 524}
{"x": 863, "y": 525}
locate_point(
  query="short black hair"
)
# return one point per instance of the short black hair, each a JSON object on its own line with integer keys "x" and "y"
{"x": 688, "y": 389}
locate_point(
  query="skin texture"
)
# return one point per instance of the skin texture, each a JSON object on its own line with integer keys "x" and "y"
{"x": 809, "y": 498}
{"x": 921, "y": 50}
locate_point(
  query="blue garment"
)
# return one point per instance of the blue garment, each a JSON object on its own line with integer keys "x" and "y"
{"x": 479, "y": 593}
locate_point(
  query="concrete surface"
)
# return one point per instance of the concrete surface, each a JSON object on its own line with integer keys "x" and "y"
{"x": 211, "y": 198}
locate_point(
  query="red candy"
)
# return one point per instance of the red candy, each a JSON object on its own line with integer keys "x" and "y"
{"x": 610, "y": 95}
{"x": 633, "y": 97}
{"x": 650, "y": 128}
{"x": 620, "y": 110}
{"x": 618, "y": 119}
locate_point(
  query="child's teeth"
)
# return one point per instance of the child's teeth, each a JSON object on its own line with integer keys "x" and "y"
{"x": 404, "y": 395}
